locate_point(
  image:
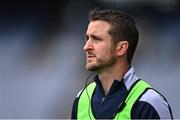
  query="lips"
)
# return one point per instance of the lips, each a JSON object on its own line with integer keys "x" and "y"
{"x": 90, "y": 56}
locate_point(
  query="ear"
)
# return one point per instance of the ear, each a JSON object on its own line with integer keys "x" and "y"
{"x": 122, "y": 47}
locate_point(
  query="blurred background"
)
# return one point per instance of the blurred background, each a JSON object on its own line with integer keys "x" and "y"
{"x": 42, "y": 59}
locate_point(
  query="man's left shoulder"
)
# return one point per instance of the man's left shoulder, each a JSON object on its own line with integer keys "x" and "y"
{"x": 156, "y": 101}
{"x": 154, "y": 98}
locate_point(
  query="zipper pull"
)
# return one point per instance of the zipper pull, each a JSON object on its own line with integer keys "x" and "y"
{"x": 102, "y": 101}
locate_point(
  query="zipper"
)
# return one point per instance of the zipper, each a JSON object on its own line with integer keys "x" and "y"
{"x": 103, "y": 99}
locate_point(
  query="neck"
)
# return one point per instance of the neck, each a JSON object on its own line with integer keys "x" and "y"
{"x": 108, "y": 75}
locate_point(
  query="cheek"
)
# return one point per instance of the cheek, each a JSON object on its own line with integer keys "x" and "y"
{"x": 104, "y": 53}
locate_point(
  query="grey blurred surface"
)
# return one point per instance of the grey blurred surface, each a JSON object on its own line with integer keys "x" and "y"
{"x": 42, "y": 60}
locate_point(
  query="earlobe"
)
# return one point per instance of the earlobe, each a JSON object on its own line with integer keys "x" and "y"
{"x": 122, "y": 47}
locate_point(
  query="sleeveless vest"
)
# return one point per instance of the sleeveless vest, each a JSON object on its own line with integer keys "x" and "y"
{"x": 84, "y": 110}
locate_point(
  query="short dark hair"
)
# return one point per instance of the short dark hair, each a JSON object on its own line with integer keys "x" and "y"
{"x": 123, "y": 27}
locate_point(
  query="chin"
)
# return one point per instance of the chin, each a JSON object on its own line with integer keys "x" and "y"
{"x": 91, "y": 67}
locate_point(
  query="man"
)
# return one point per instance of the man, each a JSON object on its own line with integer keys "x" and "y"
{"x": 116, "y": 93}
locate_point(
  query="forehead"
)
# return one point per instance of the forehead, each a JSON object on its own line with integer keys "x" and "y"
{"x": 98, "y": 27}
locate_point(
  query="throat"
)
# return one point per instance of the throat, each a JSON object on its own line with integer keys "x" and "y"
{"x": 108, "y": 76}
{"x": 107, "y": 86}
{"x": 108, "y": 80}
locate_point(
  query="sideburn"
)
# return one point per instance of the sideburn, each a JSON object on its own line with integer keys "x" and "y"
{"x": 113, "y": 47}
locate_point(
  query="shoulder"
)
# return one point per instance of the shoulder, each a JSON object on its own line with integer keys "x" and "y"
{"x": 89, "y": 87}
{"x": 75, "y": 105}
{"x": 86, "y": 89}
{"x": 76, "y": 101}
{"x": 79, "y": 93}
{"x": 152, "y": 105}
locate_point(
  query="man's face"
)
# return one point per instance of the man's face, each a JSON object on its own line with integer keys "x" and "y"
{"x": 100, "y": 53}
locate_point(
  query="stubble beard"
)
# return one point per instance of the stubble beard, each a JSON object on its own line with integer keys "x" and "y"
{"x": 101, "y": 64}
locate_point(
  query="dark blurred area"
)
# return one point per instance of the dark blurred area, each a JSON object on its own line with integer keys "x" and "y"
{"x": 43, "y": 16}
{"x": 42, "y": 60}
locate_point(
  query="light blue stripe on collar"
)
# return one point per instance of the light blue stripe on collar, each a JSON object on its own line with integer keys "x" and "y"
{"x": 130, "y": 77}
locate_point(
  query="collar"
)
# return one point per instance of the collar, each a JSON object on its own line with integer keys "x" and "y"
{"x": 118, "y": 85}
{"x": 130, "y": 78}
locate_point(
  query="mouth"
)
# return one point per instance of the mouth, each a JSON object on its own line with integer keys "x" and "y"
{"x": 90, "y": 56}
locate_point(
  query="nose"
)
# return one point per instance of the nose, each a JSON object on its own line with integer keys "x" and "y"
{"x": 88, "y": 45}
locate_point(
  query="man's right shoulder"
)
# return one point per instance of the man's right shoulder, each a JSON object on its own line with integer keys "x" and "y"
{"x": 79, "y": 93}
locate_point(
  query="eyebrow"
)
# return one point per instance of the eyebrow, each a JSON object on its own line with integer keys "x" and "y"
{"x": 93, "y": 36}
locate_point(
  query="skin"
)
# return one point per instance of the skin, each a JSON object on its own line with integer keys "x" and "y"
{"x": 108, "y": 60}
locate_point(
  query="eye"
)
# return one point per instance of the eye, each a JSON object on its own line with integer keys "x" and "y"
{"x": 87, "y": 38}
{"x": 96, "y": 38}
